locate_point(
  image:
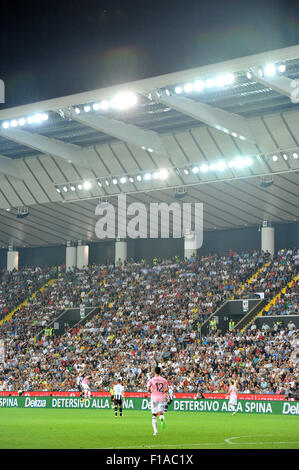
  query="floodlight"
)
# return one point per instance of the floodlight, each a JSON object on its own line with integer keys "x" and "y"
{"x": 87, "y": 185}
{"x": 163, "y": 174}
{"x": 270, "y": 70}
{"x": 188, "y": 87}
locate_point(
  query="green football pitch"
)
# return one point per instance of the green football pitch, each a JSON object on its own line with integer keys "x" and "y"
{"x": 99, "y": 429}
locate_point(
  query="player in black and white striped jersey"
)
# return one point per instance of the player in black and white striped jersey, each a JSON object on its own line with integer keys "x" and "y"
{"x": 169, "y": 398}
{"x": 118, "y": 396}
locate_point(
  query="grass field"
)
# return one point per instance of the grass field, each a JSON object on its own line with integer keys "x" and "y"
{"x": 99, "y": 429}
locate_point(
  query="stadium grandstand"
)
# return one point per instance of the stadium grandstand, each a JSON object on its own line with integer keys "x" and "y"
{"x": 208, "y": 292}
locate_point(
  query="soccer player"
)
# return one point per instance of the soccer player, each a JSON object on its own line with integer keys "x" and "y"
{"x": 118, "y": 396}
{"x": 157, "y": 387}
{"x": 79, "y": 384}
{"x": 83, "y": 385}
{"x": 232, "y": 394}
{"x": 169, "y": 398}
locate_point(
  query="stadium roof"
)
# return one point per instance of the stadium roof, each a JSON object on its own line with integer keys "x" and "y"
{"x": 226, "y": 133}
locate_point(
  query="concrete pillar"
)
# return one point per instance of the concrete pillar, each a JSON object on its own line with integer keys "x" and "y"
{"x": 12, "y": 259}
{"x": 70, "y": 256}
{"x": 82, "y": 255}
{"x": 120, "y": 251}
{"x": 191, "y": 244}
{"x": 267, "y": 237}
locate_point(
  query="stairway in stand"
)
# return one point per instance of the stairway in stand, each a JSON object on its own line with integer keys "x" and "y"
{"x": 9, "y": 316}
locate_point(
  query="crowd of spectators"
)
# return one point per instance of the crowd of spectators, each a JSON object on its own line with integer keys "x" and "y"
{"x": 16, "y": 286}
{"x": 282, "y": 267}
{"x": 287, "y": 303}
{"x": 149, "y": 314}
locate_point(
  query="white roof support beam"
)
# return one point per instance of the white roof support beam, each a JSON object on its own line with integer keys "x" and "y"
{"x": 69, "y": 152}
{"x": 8, "y": 167}
{"x": 218, "y": 118}
{"x": 279, "y": 83}
{"x": 143, "y": 86}
{"x": 145, "y": 139}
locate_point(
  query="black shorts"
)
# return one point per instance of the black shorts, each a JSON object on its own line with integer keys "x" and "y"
{"x": 118, "y": 402}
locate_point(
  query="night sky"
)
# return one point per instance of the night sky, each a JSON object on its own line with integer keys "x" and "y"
{"x": 52, "y": 49}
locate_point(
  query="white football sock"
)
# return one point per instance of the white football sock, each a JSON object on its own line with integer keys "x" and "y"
{"x": 154, "y": 422}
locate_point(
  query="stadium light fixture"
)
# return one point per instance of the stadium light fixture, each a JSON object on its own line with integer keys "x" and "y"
{"x": 295, "y": 155}
{"x": 163, "y": 174}
{"x": 239, "y": 162}
{"x": 210, "y": 82}
{"x": 188, "y": 87}
{"x": 199, "y": 85}
{"x": 124, "y": 101}
{"x": 178, "y": 90}
{"x": 275, "y": 158}
{"x": 37, "y": 118}
{"x": 147, "y": 177}
{"x": 270, "y": 70}
{"x": 221, "y": 166}
{"x": 87, "y": 185}
{"x": 220, "y": 81}
{"x": 104, "y": 105}
{"x": 229, "y": 78}
{"x": 281, "y": 68}
{"x": 204, "y": 168}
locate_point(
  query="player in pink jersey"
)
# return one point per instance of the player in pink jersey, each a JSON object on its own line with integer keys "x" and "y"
{"x": 233, "y": 396}
{"x": 157, "y": 387}
{"x": 83, "y": 383}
